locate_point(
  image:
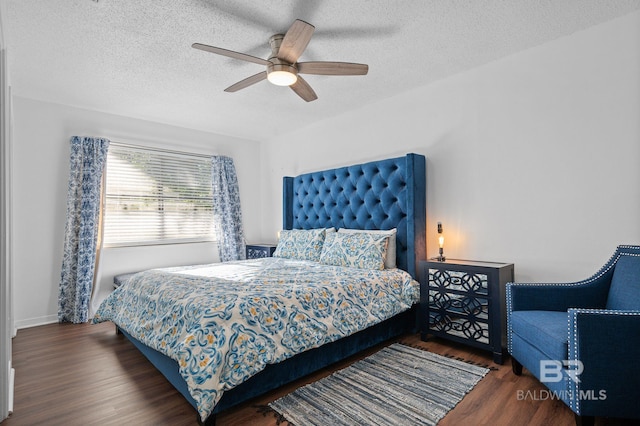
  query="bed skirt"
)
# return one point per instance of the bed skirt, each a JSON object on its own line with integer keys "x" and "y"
{"x": 276, "y": 375}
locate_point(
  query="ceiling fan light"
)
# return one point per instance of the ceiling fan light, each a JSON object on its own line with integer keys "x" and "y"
{"x": 282, "y": 78}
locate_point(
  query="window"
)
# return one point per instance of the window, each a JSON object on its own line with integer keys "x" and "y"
{"x": 156, "y": 197}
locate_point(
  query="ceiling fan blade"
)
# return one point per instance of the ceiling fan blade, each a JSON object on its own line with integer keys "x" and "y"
{"x": 230, "y": 54}
{"x": 332, "y": 68}
{"x": 295, "y": 41}
{"x": 256, "y": 78}
{"x": 302, "y": 89}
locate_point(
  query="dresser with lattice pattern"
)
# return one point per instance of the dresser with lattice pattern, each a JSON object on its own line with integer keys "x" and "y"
{"x": 257, "y": 251}
{"x": 464, "y": 301}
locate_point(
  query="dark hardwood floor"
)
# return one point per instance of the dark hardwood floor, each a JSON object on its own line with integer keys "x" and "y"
{"x": 87, "y": 375}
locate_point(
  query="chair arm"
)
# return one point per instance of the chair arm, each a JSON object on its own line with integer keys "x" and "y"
{"x": 606, "y": 343}
{"x": 557, "y": 296}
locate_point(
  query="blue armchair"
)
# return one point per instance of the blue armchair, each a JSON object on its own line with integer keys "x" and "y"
{"x": 582, "y": 340}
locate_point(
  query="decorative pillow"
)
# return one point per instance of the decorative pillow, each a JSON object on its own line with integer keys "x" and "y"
{"x": 301, "y": 244}
{"x": 390, "y": 258}
{"x": 355, "y": 250}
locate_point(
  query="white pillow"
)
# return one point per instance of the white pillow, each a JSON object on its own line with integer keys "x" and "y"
{"x": 355, "y": 250}
{"x": 390, "y": 259}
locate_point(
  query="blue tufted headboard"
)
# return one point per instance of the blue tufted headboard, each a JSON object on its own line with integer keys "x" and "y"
{"x": 381, "y": 194}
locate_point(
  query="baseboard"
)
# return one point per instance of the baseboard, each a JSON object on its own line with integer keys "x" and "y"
{"x": 34, "y": 322}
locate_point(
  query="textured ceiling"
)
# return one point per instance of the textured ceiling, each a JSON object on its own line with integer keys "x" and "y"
{"x": 134, "y": 57}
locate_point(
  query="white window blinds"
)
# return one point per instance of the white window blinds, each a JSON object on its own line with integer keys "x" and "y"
{"x": 156, "y": 197}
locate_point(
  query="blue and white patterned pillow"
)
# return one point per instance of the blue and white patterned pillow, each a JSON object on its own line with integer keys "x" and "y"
{"x": 390, "y": 257}
{"x": 301, "y": 244}
{"x": 355, "y": 250}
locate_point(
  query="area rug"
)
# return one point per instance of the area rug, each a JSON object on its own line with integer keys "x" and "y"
{"x": 399, "y": 385}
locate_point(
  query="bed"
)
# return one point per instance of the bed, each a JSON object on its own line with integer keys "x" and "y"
{"x": 388, "y": 194}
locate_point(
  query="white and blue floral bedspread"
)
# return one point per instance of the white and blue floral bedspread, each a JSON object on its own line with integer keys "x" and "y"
{"x": 224, "y": 322}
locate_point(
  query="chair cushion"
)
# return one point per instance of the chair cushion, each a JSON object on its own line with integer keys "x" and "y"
{"x": 545, "y": 330}
{"x": 624, "y": 292}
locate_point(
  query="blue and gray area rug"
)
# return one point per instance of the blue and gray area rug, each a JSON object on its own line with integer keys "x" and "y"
{"x": 399, "y": 385}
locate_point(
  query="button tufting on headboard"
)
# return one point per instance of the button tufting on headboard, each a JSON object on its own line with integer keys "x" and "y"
{"x": 378, "y": 195}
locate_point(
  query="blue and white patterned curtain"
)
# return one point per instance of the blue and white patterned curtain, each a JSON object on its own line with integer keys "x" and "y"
{"x": 226, "y": 209}
{"x": 88, "y": 157}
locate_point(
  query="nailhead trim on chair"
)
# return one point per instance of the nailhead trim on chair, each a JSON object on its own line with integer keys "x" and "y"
{"x": 509, "y": 343}
{"x": 610, "y": 263}
{"x": 574, "y": 401}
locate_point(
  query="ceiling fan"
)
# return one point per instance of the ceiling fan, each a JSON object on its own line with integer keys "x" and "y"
{"x": 282, "y": 66}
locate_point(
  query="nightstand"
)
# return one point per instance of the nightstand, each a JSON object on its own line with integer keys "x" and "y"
{"x": 464, "y": 301}
{"x": 257, "y": 251}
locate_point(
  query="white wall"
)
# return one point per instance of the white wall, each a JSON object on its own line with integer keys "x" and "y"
{"x": 531, "y": 159}
{"x": 7, "y": 373}
{"x": 40, "y": 175}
